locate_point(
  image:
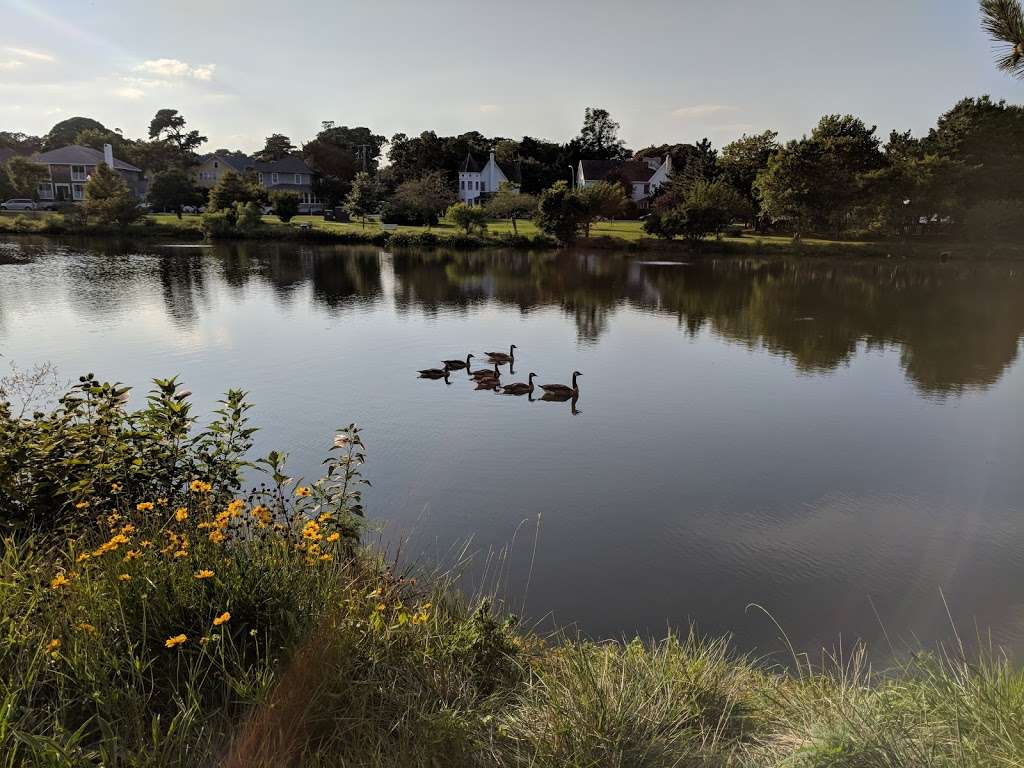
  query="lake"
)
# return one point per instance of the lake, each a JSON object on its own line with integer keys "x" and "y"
{"x": 839, "y": 443}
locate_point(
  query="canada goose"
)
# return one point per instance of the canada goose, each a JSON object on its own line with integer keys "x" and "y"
{"x": 486, "y": 373}
{"x": 519, "y": 388}
{"x": 434, "y": 373}
{"x": 562, "y": 389}
{"x": 487, "y": 384}
{"x": 457, "y": 365}
{"x": 501, "y": 357}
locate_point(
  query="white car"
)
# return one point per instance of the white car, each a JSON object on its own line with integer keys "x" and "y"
{"x": 18, "y": 204}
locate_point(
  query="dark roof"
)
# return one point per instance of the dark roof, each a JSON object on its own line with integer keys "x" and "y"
{"x": 75, "y": 154}
{"x": 631, "y": 170}
{"x": 470, "y": 165}
{"x": 6, "y": 154}
{"x": 290, "y": 164}
{"x": 240, "y": 164}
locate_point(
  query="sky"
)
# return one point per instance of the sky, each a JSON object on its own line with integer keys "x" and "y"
{"x": 667, "y": 71}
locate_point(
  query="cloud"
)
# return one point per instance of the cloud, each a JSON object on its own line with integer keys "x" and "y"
{"x": 488, "y": 108}
{"x": 129, "y": 93}
{"x": 10, "y": 65}
{"x": 25, "y": 53}
{"x": 703, "y": 110}
{"x": 176, "y": 69}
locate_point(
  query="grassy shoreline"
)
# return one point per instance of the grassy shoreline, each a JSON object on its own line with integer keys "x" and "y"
{"x": 627, "y": 236}
{"x": 156, "y": 614}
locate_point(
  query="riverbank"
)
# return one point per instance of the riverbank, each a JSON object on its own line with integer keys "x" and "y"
{"x": 157, "y": 614}
{"x": 625, "y": 236}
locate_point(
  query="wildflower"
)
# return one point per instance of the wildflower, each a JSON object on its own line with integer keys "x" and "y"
{"x": 89, "y": 629}
{"x": 302, "y": 491}
{"x": 204, "y": 574}
{"x": 144, "y": 506}
{"x": 82, "y": 505}
{"x": 115, "y": 487}
{"x": 334, "y": 537}
{"x": 53, "y": 645}
{"x": 82, "y": 557}
{"x": 235, "y": 507}
{"x": 311, "y": 530}
{"x": 325, "y": 517}
{"x": 224, "y": 618}
{"x": 199, "y": 486}
{"x": 204, "y": 639}
{"x": 376, "y": 593}
{"x": 326, "y": 558}
{"x": 123, "y": 577}
{"x": 161, "y": 502}
{"x": 216, "y": 536}
{"x": 130, "y": 555}
{"x": 146, "y": 544}
{"x": 181, "y": 514}
{"x": 113, "y": 518}
{"x": 127, "y": 529}
{"x": 58, "y": 581}
{"x": 380, "y": 607}
{"x": 177, "y": 640}
{"x": 181, "y": 553}
{"x": 261, "y": 514}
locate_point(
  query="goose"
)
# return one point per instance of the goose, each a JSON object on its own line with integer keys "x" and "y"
{"x": 562, "y": 389}
{"x": 457, "y": 365}
{"x": 501, "y": 357}
{"x": 519, "y": 388}
{"x": 434, "y": 373}
{"x": 487, "y": 384}
{"x": 486, "y": 373}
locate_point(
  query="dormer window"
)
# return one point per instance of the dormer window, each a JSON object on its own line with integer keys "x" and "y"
{"x": 216, "y": 164}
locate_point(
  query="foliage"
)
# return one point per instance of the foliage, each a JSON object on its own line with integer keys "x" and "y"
{"x": 1004, "y": 22}
{"x": 25, "y": 176}
{"x": 364, "y": 198}
{"x": 108, "y": 199}
{"x": 22, "y": 143}
{"x": 286, "y": 204}
{"x": 168, "y": 126}
{"x": 602, "y": 199}
{"x": 706, "y": 208}
{"x": 561, "y": 213}
{"x": 743, "y": 159}
{"x": 996, "y": 220}
{"x": 277, "y": 147}
{"x": 66, "y": 131}
{"x": 248, "y": 216}
{"x": 509, "y": 203}
{"x": 469, "y": 217}
{"x": 422, "y": 200}
{"x": 599, "y": 136}
{"x": 172, "y": 189}
{"x": 337, "y": 154}
{"x": 232, "y": 188}
{"x": 218, "y": 223}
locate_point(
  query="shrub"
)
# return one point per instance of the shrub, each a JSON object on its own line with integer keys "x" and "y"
{"x": 996, "y": 220}
{"x": 468, "y": 217}
{"x": 561, "y": 213}
{"x": 108, "y": 199}
{"x": 248, "y": 216}
{"x": 219, "y": 223}
{"x": 286, "y": 205}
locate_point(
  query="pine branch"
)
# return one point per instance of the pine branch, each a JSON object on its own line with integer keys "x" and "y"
{"x": 1004, "y": 22}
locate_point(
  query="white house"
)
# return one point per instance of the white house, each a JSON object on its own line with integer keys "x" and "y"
{"x": 644, "y": 175}
{"x": 476, "y": 180}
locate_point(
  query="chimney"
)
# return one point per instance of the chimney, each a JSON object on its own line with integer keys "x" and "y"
{"x": 108, "y": 156}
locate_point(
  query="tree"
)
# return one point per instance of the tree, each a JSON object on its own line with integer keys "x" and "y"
{"x": 602, "y": 199}
{"x": 364, "y": 198}
{"x": 286, "y": 204}
{"x": 108, "y": 198}
{"x": 22, "y": 143}
{"x": 422, "y": 200}
{"x": 169, "y": 126}
{"x": 560, "y": 213}
{"x": 25, "y": 176}
{"x": 599, "y": 137}
{"x": 509, "y": 203}
{"x": 469, "y": 217}
{"x": 231, "y": 188}
{"x": 171, "y": 190}
{"x": 706, "y": 209}
{"x": 1004, "y": 22}
{"x": 744, "y": 158}
{"x": 277, "y": 147}
{"x": 337, "y": 154}
{"x": 66, "y": 131}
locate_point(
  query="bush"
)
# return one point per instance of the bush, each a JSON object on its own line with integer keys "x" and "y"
{"x": 219, "y": 223}
{"x": 706, "y": 208}
{"x": 468, "y": 217}
{"x": 286, "y": 205}
{"x": 108, "y": 199}
{"x": 561, "y": 213}
{"x": 996, "y": 220}
{"x": 248, "y": 216}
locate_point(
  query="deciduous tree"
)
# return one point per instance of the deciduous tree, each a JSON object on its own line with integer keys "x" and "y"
{"x": 25, "y": 176}
{"x": 172, "y": 189}
{"x": 108, "y": 199}
{"x": 364, "y": 198}
{"x": 561, "y": 213}
{"x": 509, "y": 203}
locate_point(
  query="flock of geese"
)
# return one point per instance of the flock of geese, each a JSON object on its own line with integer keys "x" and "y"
{"x": 490, "y": 378}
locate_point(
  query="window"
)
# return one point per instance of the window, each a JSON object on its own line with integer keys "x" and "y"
{"x": 216, "y": 164}
{"x": 78, "y": 191}
{"x": 78, "y": 173}
{"x": 273, "y": 178}
{"x": 45, "y": 190}
{"x": 259, "y": 178}
{"x": 298, "y": 178}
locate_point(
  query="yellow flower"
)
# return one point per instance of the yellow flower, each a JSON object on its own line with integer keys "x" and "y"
{"x": 161, "y": 502}
{"x": 82, "y": 557}
{"x": 58, "y": 581}
{"x": 127, "y": 530}
{"x": 144, "y": 506}
{"x": 89, "y": 629}
{"x": 130, "y": 555}
{"x": 311, "y": 530}
{"x": 204, "y": 574}
{"x": 115, "y": 487}
{"x": 82, "y": 505}
{"x": 181, "y": 553}
{"x": 224, "y": 618}
{"x": 235, "y": 507}
{"x": 380, "y": 607}
{"x": 302, "y": 491}
{"x": 146, "y": 544}
{"x": 326, "y": 558}
{"x": 261, "y": 514}
{"x": 216, "y": 536}
{"x": 198, "y": 486}
{"x": 171, "y": 642}
{"x": 334, "y": 536}
{"x": 53, "y": 645}
{"x": 325, "y": 517}
{"x": 123, "y": 577}
{"x": 181, "y": 514}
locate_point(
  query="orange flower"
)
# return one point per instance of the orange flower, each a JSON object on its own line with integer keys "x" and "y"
{"x": 58, "y": 581}
{"x": 334, "y": 536}
{"x": 53, "y": 645}
{"x": 144, "y": 506}
{"x": 302, "y": 491}
{"x": 224, "y": 618}
{"x": 123, "y": 577}
{"x": 171, "y": 642}
{"x": 181, "y": 514}
{"x": 82, "y": 505}
{"x": 204, "y": 574}
{"x": 89, "y": 629}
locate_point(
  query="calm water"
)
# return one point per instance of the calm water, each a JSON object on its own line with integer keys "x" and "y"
{"x": 824, "y": 440}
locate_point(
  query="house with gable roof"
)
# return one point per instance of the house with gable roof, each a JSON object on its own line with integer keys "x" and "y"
{"x": 644, "y": 175}
{"x": 476, "y": 181}
{"x": 70, "y": 167}
{"x": 289, "y": 174}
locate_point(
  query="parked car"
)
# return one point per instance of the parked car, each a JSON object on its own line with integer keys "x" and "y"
{"x": 193, "y": 209}
{"x": 18, "y": 204}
